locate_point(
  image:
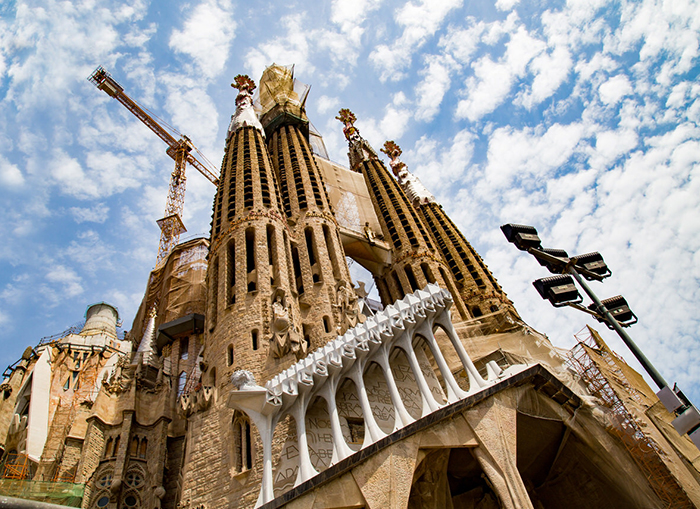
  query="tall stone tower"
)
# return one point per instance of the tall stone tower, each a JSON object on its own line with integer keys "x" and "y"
{"x": 248, "y": 277}
{"x": 321, "y": 278}
{"x": 477, "y": 286}
{"x": 414, "y": 260}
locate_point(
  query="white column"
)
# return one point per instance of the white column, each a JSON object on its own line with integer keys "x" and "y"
{"x": 371, "y": 427}
{"x": 474, "y": 376}
{"x": 401, "y": 416}
{"x": 340, "y": 447}
{"x": 428, "y": 400}
{"x": 454, "y": 392}
{"x": 298, "y": 411}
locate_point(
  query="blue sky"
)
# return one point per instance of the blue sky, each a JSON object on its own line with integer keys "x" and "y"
{"x": 578, "y": 117}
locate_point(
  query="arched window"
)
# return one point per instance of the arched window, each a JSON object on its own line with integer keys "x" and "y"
{"x": 133, "y": 450}
{"x": 242, "y": 445}
{"x": 143, "y": 449}
{"x": 130, "y": 500}
{"x": 116, "y": 446}
{"x": 108, "y": 447}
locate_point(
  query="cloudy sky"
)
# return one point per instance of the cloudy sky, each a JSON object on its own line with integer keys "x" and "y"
{"x": 579, "y": 117}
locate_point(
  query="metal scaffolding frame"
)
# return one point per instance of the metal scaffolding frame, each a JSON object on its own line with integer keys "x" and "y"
{"x": 642, "y": 448}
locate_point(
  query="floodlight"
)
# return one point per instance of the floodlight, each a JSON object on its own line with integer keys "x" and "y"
{"x": 593, "y": 262}
{"x": 553, "y": 266}
{"x": 618, "y": 307}
{"x": 559, "y": 290}
{"x": 522, "y": 236}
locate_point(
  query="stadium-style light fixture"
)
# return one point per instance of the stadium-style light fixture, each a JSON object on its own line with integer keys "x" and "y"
{"x": 558, "y": 290}
{"x": 593, "y": 262}
{"x": 554, "y": 266}
{"x": 523, "y": 236}
{"x": 618, "y": 307}
{"x": 614, "y": 312}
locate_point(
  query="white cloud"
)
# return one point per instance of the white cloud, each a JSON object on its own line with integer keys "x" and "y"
{"x": 324, "y": 104}
{"x": 206, "y": 36}
{"x": 419, "y": 21}
{"x": 550, "y": 70}
{"x": 67, "y": 278}
{"x": 493, "y": 81}
{"x": 10, "y": 174}
{"x": 526, "y": 155}
{"x": 430, "y": 91}
{"x": 292, "y": 48}
{"x": 506, "y": 5}
{"x": 441, "y": 169}
{"x": 95, "y": 214}
{"x": 615, "y": 89}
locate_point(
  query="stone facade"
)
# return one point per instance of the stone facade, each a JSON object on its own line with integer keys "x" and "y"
{"x": 252, "y": 378}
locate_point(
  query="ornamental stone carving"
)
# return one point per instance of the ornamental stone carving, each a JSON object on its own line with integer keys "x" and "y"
{"x": 360, "y": 150}
{"x": 417, "y": 193}
{"x": 245, "y": 113}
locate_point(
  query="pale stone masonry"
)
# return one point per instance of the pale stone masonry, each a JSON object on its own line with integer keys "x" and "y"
{"x": 257, "y": 374}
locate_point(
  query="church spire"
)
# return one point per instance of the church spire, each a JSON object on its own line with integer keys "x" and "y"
{"x": 478, "y": 289}
{"x": 412, "y": 186}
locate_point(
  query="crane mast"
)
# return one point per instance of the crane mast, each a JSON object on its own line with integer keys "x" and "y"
{"x": 181, "y": 150}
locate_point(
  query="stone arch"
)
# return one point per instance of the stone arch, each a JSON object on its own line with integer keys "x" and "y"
{"x": 406, "y": 382}
{"x": 352, "y": 421}
{"x": 130, "y": 500}
{"x": 378, "y": 394}
{"x": 285, "y": 472}
{"x": 319, "y": 435}
{"x": 135, "y": 477}
{"x": 431, "y": 371}
{"x": 451, "y": 357}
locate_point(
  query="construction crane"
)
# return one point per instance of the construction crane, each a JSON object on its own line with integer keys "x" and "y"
{"x": 181, "y": 150}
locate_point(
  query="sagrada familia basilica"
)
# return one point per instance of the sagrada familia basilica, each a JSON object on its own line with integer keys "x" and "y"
{"x": 256, "y": 374}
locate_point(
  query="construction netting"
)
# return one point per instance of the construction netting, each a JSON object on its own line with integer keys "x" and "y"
{"x": 62, "y": 493}
{"x": 278, "y": 87}
{"x": 177, "y": 288}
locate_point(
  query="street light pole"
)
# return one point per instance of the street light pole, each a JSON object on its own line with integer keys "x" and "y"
{"x": 561, "y": 291}
{"x": 600, "y": 307}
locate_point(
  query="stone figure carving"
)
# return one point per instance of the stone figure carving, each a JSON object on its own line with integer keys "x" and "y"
{"x": 417, "y": 193}
{"x": 369, "y": 233}
{"x": 360, "y": 150}
{"x": 348, "y": 308}
{"x": 243, "y": 380}
{"x": 284, "y": 335}
{"x": 122, "y": 376}
{"x": 245, "y": 113}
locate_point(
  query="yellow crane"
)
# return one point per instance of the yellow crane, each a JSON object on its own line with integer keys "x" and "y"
{"x": 181, "y": 150}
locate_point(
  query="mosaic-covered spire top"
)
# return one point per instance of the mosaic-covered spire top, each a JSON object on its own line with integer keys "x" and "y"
{"x": 245, "y": 113}
{"x": 360, "y": 150}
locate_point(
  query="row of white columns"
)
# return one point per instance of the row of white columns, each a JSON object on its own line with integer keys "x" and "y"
{"x": 322, "y": 371}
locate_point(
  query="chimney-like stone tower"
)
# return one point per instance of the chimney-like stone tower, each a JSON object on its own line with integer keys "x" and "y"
{"x": 321, "y": 278}
{"x": 414, "y": 260}
{"x": 477, "y": 286}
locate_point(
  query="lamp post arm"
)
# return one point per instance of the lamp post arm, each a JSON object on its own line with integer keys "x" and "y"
{"x": 584, "y": 309}
{"x": 563, "y": 263}
{"x": 650, "y": 369}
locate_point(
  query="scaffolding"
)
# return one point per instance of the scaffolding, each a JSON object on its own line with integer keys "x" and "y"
{"x": 15, "y": 466}
{"x": 600, "y": 368}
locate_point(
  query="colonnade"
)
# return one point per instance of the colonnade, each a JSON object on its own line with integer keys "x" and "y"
{"x": 321, "y": 373}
